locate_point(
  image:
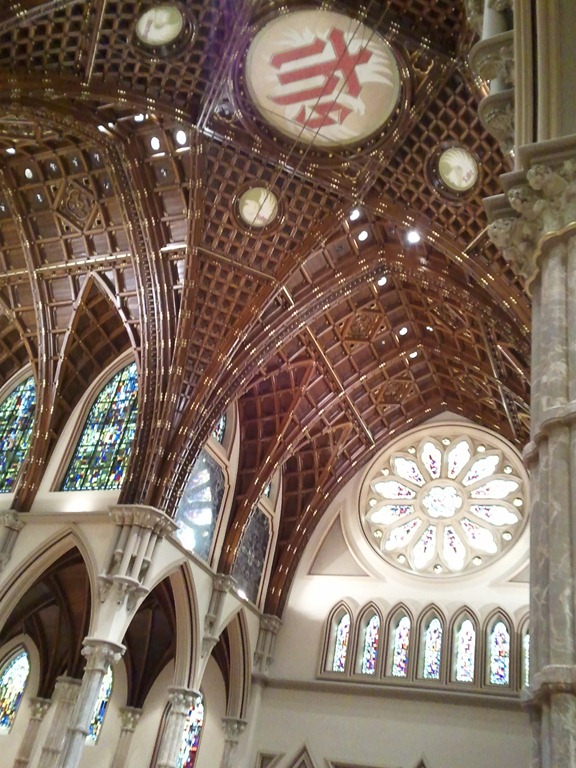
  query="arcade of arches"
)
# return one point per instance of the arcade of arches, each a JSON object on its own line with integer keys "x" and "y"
{"x": 287, "y": 383}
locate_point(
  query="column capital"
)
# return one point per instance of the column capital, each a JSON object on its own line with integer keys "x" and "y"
{"x": 129, "y": 717}
{"x": 233, "y": 728}
{"x": 100, "y": 654}
{"x": 66, "y": 689}
{"x": 39, "y": 707}
{"x": 181, "y": 699}
{"x": 538, "y": 207}
{"x": 13, "y": 520}
{"x": 143, "y": 516}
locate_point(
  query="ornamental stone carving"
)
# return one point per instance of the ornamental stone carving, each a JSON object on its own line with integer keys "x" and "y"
{"x": 496, "y": 113}
{"x": 544, "y": 206}
{"x": 494, "y": 58}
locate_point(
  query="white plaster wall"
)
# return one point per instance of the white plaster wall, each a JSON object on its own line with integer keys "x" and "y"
{"x": 212, "y": 741}
{"x": 385, "y": 732}
{"x": 146, "y": 732}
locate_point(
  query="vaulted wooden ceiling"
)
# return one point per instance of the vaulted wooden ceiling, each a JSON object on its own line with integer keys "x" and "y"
{"x": 117, "y": 234}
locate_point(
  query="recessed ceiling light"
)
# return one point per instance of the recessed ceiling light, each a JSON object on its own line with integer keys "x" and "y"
{"x": 413, "y": 355}
{"x": 155, "y": 143}
{"x": 139, "y": 118}
{"x": 382, "y": 280}
{"x": 403, "y": 331}
{"x": 10, "y": 151}
{"x": 429, "y": 328}
{"x": 181, "y": 137}
{"x": 354, "y": 214}
{"x": 363, "y": 235}
{"x": 28, "y": 173}
{"x": 413, "y": 237}
{"x": 102, "y": 129}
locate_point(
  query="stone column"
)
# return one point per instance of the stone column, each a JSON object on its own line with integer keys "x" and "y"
{"x": 536, "y": 229}
{"x": 100, "y": 654}
{"x": 130, "y": 717}
{"x": 64, "y": 697}
{"x": 233, "y": 729}
{"x": 11, "y": 527}
{"x": 38, "y": 708}
{"x": 180, "y": 701}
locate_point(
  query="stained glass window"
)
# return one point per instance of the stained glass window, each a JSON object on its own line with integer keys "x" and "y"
{"x": 220, "y": 429}
{"x": 13, "y": 679}
{"x": 445, "y": 504}
{"x": 499, "y": 648}
{"x": 370, "y": 652}
{"x": 100, "y": 708}
{"x": 400, "y": 644}
{"x": 16, "y": 421}
{"x": 103, "y": 449}
{"x": 341, "y": 644}
{"x": 197, "y": 513}
{"x": 432, "y": 650}
{"x": 191, "y": 736}
{"x": 526, "y": 660}
{"x": 465, "y": 649}
{"x": 251, "y": 554}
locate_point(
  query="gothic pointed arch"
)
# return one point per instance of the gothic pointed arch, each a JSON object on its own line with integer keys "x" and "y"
{"x": 369, "y": 641}
{"x": 462, "y": 646}
{"x": 337, "y": 651}
{"x": 499, "y": 649}
{"x": 431, "y": 629}
{"x": 401, "y": 643}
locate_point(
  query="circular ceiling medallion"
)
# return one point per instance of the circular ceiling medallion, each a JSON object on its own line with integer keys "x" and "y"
{"x": 446, "y": 504}
{"x": 322, "y": 78}
{"x": 160, "y": 25}
{"x": 257, "y": 207}
{"x": 457, "y": 169}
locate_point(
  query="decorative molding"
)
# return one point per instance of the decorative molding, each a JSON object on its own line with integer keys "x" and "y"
{"x": 129, "y": 717}
{"x": 494, "y": 58}
{"x": 12, "y": 524}
{"x": 496, "y": 113}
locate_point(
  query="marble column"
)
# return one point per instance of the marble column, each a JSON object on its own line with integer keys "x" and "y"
{"x": 38, "y": 708}
{"x": 64, "y": 697}
{"x": 233, "y": 729}
{"x": 100, "y": 654}
{"x": 180, "y": 700}
{"x": 130, "y": 717}
{"x": 535, "y": 226}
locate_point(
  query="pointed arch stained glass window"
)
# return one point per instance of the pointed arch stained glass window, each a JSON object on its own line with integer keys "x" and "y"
{"x": 370, "y": 653}
{"x": 400, "y": 644}
{"x": 220, "y": 429}
{"x": 251, "y": 554}
{"x": 103, "y": 450}
{"x": 432, "y": 650}
{"x": 101, "y": 706}
{"x": 13, "y": 678}
{"x": 191, "y": 736}
{"x": 199, "y": 506}
{"x": 465, "y": 648}
{"x": 16, "y": 421}
{"x": 499, "y": 647}
{"x": 341, "y": 644}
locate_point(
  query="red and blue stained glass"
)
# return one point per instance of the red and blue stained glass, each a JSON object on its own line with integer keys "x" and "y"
{"x": 465, "y": 648}
{"x": 16, "y": 420}
{"x": 432, "y": 650}
{"x": 101, "y": 706}
{"x": 499, "y": 654}
{"x": 104, "y": 447}
{"x": 341, "y": 645}
{"x": 220, "y": 429}
{"x": 400, "y": 644}
{"x": 12, "y": 684}
{"x": 191, "y": 736}
{"x": 370, "y": 653}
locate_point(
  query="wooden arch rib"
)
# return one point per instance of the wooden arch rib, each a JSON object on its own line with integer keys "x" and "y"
{"x": 96, "y": 336}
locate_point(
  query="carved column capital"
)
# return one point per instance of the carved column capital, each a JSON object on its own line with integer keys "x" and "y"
{"x": 182, "y": 699}
{"x": 39, "y": 707}
{"x": 539, "y": 210}
{"x": 100, "y": 654}
{"x": 129, "y": 717}
{"x": 494, "y": 57}
{"x": 233, "y": 728}
{"x": 496, "y": 113}
{"x": 144, "y": 517}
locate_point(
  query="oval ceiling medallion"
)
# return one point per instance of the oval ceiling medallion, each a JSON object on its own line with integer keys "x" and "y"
{"x": 258, "y": 207}
{"x": 322, "y": 78}
{"x": 458, "y": 169}
{"x": 445, "y": 504}
{"x": 160, "y": 25}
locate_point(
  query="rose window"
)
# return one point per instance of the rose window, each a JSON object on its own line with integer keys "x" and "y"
{"x": 446, "y": 504}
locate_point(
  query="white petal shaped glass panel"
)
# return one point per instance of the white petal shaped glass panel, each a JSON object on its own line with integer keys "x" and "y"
{"x": 482, "y": 468}
{"x": 494, "y": 513}
{"x": 391, "y": 513}
{"x": 480, "y": 538}
{"x": 453, "y": 549}
{"x": 408, "y": 469}
{"x": 402, "y": 534}
{"x": 425, "y": 548}
{"x": 442, "y": 501}
{"x": 431, "y": 458}
{"x": 495, "y": 489}
{"x": 392, "y": 489}
{"x": 458, "y": 457}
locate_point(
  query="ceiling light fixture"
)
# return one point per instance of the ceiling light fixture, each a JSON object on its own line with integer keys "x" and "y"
{"x": 413, "y": 237}
{"x": 354, "y": 214}
{"x": 363, "y": 235}
{"x": 382, "y": 280}
{"x": 403, "y": 331}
